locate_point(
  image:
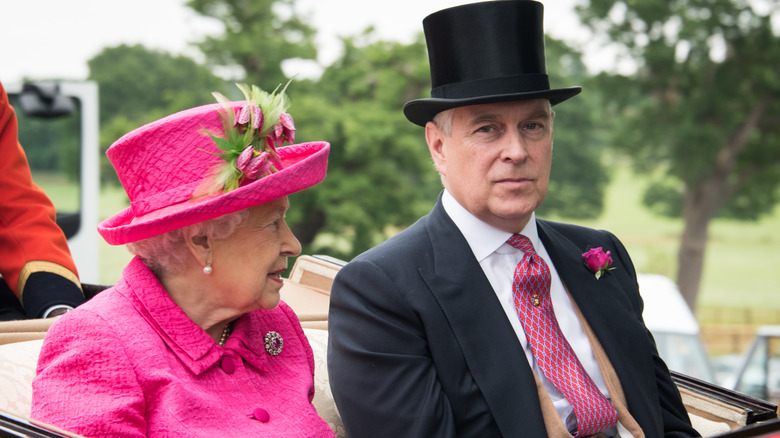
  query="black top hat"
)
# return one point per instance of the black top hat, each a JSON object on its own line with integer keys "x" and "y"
{"x": 485, "y": 52}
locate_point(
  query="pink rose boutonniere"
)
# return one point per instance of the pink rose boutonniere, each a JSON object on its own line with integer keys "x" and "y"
{"x": 598, "y": 261}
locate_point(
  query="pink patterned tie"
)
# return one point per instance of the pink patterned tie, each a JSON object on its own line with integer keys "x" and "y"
{"x": 557, "y": 360}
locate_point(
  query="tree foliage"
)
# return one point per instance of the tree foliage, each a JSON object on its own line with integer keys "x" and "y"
{"x": 137, "y": 83}
{"x": 380, "y": 175}
{"x": 703, "y": 107}
{"x": 578, "y": 179}
{"x": 258, "y": 36}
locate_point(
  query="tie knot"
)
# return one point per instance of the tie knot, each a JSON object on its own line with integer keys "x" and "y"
{"x": 521, "y": 242}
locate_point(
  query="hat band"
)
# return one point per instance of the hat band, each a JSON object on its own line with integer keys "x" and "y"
{"x": 524, "y": 83}
{"x": 163, "y": 199}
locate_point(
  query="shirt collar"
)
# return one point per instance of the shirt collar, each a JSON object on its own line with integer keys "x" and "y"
{"x": 483, "y": 239}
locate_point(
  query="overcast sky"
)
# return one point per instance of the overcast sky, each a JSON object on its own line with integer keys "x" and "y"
{"x": 46, "y": 39}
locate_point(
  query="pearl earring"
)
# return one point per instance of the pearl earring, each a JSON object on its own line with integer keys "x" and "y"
{"x": 207, "y": 269}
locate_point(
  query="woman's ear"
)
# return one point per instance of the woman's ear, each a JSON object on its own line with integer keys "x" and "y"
{"x": 200, "y": 247}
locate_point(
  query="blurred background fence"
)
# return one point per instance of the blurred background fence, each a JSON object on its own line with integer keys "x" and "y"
{"x": 729, "y": 330}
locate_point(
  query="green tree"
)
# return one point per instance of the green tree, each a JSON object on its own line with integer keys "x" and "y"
{"x": 140, "y": 83}
{"x": 380, "y": 176}
{"x": 578, "y": 178}
{"x": 702, "y": 113}
{"x": 259, "y": 35}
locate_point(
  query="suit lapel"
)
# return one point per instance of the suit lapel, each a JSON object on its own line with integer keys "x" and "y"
{"x": 602, "y": 301}
{"x": 480, "y": 324}
{"x": 604, "y": 305}
{"x": 595, "y": 297}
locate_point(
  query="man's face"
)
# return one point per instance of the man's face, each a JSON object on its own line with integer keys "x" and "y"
{"x": 496, "y": 161}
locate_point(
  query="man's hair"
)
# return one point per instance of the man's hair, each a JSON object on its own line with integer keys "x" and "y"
{"x": 168, "y": 252}
{"x": 444, "y": 121}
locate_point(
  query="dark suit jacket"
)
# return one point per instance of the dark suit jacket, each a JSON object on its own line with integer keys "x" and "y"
{"x": 421, "y": 347}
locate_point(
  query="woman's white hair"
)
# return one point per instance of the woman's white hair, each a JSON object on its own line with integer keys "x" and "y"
{"x": 168, "y": 252}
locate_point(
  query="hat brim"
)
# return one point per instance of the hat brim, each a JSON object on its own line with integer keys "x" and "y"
{"x": 304, "y": 165}
{"x": 422, "y": 111}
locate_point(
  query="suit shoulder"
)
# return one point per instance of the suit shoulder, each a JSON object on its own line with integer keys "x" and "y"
{"x": 576, "y": 233}
{"x": 403, "y": 245}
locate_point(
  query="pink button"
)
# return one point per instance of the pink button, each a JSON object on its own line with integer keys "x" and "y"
{"x": 261, "y": 415}
{"x": 228, "y": 365}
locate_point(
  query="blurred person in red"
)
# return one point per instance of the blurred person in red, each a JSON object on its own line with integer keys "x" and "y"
{"x": 38, "y": 278}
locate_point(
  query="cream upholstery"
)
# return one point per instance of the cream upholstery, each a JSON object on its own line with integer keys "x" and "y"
{"x": 710, "y": 416}
{"x": 708, "y": 427}
{"x": 17, "y": 369}
{"x": 25, "y": 330}
{"x": 307, "y": 290}
{"x": 323, "y": 398}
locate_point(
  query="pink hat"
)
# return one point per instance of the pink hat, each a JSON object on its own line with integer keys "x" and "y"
{"x": 208, "y": 161}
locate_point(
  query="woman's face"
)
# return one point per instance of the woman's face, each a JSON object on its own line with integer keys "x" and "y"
{"x": 247, "y": 265}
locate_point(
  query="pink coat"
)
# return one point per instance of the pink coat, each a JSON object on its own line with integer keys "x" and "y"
{"x": 130, "y": 363}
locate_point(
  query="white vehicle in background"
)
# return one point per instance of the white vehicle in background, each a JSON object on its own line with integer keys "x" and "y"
{"x": 674, "y": 327}
{"x": 53, "y": 115}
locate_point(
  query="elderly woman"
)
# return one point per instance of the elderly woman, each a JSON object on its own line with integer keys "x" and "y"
{"x": 193, "y": 339}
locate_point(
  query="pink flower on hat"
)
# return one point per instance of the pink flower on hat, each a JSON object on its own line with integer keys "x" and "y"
{"x": 246, "y": 156}
{"x": 253, "y": 163}
{"x": 284, "y": 131}
{"x": 261, "y": 121}
{"x": 249, "y": 112}
{"x": 259, "y": 166}
{"x": 257, "y": 118}
{"x": 242, "y": 115}
{"x": 288, "y": 133}
{"x": 598, "y": 261}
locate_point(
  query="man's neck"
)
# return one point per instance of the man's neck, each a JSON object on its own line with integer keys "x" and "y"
{"x": 482, "y": 237}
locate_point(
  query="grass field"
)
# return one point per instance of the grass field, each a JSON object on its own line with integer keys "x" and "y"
{"x": 741, "y": 269}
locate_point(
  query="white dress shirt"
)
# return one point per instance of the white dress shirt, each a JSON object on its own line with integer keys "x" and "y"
{"x": 498, "y": 260}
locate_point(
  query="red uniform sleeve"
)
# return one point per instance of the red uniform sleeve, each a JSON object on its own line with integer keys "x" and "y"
{"x": 28, "y": 231}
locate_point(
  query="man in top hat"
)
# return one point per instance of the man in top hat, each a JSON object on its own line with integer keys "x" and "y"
{"x": 481, "y": 320}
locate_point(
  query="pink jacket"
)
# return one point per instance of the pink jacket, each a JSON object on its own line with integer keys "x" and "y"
{"x": 130, "y": 363}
